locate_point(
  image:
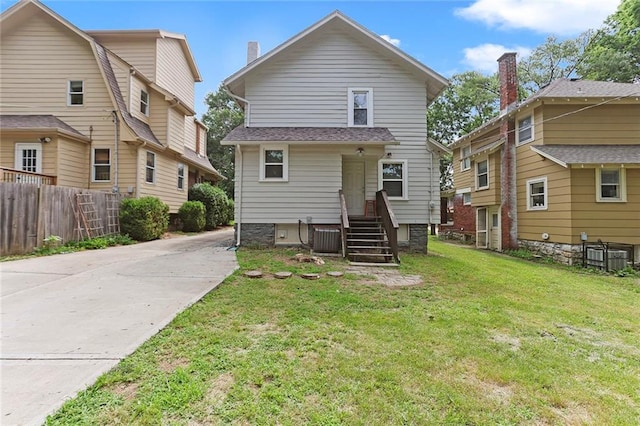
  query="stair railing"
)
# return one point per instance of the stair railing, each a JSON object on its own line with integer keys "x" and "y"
{"x": 389, "y": 221}
{"x": 344, "y": 222}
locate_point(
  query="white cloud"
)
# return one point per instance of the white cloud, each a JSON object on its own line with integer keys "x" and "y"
{"x": 484, "y": 58}
{"x": 394, "y": 41}
{"x": 561, "y": 17}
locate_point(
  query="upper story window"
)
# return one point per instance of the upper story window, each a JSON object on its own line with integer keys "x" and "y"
{"x": 150, "y": 168}
{"x": 482, "y": 174}
{"x": 537, "y": 194}
{"x": 75, "y": 93}
{"x": 274, "y": 161}
{"x": 28, "y": 157}
{"x": 360, "y": 108}
{"x": 465, "y": 158}
{"x": 180, "y": 176}
{"x": 144, "y": 102}
{"x": 611, "y": 185}
{"x": 466, "y": 198}
{"x": 101, "y": 165}
{"x": 392, "y": 177}
{"x": 525, "y": 129}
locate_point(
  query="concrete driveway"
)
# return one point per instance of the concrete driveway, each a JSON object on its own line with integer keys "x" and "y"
{"x": 67, "y": 319}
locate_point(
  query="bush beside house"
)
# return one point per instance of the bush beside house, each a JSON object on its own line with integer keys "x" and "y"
{"x": 219, "y": 209}
{"x": 192, "y": 215}
{"x": 144, "y": 219}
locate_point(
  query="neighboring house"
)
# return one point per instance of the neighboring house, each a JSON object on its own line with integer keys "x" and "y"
{"x": 556, "y": 170}
{"x": 105, "y": 110}
{"x": 335, "y": 108}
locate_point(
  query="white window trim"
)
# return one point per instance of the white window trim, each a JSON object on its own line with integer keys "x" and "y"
{"x": 285, "y": 162}
{"x": 93, "y": 165}
{"x": 518, "y": 141}
{"x": 464, "y": 158}
{"x": 546, "y": 193}
{"x": 350, "y": 92}
{"x": 18, "y": 155}
{"x": 69, "y": 93}
{"x": 464, "y": 203}
{"x": 622, "y": 183}
{"x": 463, "y": 192}
{"x": 405, "y": 177}
{"x": 181, "y": 166}
{"x": 488, "y": 174}
{"x": 146, "y": 167}
{"x": 145, "y": 104}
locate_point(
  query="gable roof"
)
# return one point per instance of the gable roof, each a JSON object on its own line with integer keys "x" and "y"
{"x": 435, "y": 82}
{"x": 570, "y": 155}
{"x": 369, "y": 135}
{"x": 568, "y": 90}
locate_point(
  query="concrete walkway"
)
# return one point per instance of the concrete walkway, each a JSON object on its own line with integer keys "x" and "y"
{"x": 67, "y": 319}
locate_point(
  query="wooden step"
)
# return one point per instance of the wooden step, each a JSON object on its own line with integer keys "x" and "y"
{"x": 382, "y": 248}
{"x": 365, "y": 240}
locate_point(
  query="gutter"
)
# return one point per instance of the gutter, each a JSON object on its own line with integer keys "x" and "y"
{"x": 238, "y": 203}
{"x": 247, "y": 112}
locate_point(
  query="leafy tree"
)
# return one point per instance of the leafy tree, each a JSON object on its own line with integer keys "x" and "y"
{"x": 614, "y": 51}
{"x": 222, "y": 116}
{"x": 470, "y": 100}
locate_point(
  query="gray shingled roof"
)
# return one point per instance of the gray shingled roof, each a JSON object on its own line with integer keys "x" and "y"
{"x": 568, "y": 88}
{"x": 310, "y": 134}
{"x": 590, "y": 154}
{"x": 141, "y": 129}
{"x": 202, "y": 161}
{"x": 35, "y": 122}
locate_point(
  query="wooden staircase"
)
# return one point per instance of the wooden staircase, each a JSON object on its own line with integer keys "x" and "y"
{"x": 367, "y": 240}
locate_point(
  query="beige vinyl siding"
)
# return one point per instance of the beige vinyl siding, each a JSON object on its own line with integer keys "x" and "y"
{"x": 538, "y": 125}
{"x": 74, "y": 158}
{"x": 556, "y": 219}
{"x": 611, "y": 222}
{"x": 166, "y": 183}
{"x": 604, "y": 124}
{"x": 308, "y": 86}
{"x": 173, "y": 72}
{"x": 158, "y": 115}
{"x": 128, "y": 169}
{"x": 36, "y": 73}
{"x": 137, "y": 86}
{"x": 141, "y": 53}
{"x": 190, "y": 133}
{"x": 176, "y": 130}
{"x": 461, "y": 179}
{"x": 490, "y": 196}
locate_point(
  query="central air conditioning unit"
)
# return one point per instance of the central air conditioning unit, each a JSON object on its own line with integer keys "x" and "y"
{"x": 596, "y": 255}
{"x": 617, "y": 259}
{"x": 326, "y": 240}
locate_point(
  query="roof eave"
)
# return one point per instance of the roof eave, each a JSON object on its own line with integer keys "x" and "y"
{"x": 314, "y": 142}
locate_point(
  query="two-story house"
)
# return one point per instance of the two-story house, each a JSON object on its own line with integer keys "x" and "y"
{"x": 556, "y": 171}
{"x": 104, "y": 110}
{"x": 333, "y": 116}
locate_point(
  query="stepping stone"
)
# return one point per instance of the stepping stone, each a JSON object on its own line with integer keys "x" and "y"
{"x": 253, "y": 274}
{"x": 310, "y": 276}
{"x": 282, "y": 275}
{"x": 335, "y": 274}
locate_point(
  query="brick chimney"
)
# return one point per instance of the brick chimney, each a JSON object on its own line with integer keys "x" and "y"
{"x": 508, "y": 81}
{"x": 508, "y": 196}
{"x": 253, "y": 51}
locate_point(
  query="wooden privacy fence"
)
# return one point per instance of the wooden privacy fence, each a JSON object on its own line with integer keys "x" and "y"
{"x": 29, "y": 214}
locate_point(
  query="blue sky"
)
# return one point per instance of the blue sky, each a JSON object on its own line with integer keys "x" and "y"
{"x": 448, "y": 36}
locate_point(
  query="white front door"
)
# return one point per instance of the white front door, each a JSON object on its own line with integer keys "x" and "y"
{"x": 495, "y": 241}
{"x": 353, "y": 186}
{"x": 28, "y": 157}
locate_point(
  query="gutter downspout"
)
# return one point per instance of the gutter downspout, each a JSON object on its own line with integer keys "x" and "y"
{"x": 247, "y": 113}
{"x": 116, "y": 123}
{"x": 239, "y": 161}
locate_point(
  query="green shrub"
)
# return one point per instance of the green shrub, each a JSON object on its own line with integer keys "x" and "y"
{"x": 230, "y": 209}
{"x": 215, "y": 203}
{"x": 192, "y": 215}
{"x": 144, "y": 219}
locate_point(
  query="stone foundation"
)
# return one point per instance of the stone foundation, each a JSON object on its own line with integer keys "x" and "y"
{"x": 418, "y": 238}
{"x": 257, "y": 234}
{"x": 567, "y": 254}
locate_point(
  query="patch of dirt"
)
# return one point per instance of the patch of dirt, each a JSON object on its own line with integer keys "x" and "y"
{"x": 572, "y": 415}
{"x": 385, "y": 276}
{"x": 127, "y": 391}
{"x": 594, "y": 338}
{"x": 513, "y": 342}
{"x": 220, "y": 387}
{"x": 169, "y": 365}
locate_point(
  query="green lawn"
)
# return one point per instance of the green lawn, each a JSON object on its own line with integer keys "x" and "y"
{"x": 487, "y": 339}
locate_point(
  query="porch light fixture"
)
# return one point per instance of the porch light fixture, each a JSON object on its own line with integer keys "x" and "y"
{"x": 360, "y": 152}
{"x": 45, "y": 139}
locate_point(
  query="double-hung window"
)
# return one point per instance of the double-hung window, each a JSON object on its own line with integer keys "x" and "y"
{"x": 274, "y": 163}
{"x": 28, "y": 157}
{"x": 360, "y": 112}
{"x": 465, "y": 158}
{"x": 537, "y": 194}
{"x": 392, "y": 177}
{"x": 144, "y": 102}
{"x": 611, "y": 185}
{"x": 150, "y": 168}
{"x": 75, "y": 93}
{"x": 101, "y": 165}
{"x": 525, "y": 129}
{"x": 180, "y": 176}
{"x": 482, "y": 174}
